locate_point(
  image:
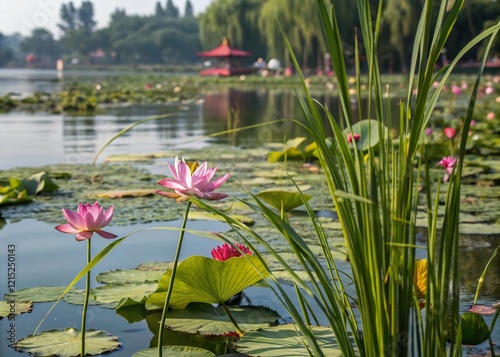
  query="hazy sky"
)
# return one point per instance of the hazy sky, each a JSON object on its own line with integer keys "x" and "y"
{"x": 24, "y": 15}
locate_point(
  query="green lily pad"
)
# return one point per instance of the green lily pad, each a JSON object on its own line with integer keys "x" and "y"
{"x": 283, "y": 198}
{"x": 285, "y": 340}
{"x": 206, "y": 319}
{"x": 181, "y": 351}
{"x": 129, "y": 276}
{"x": 37, "y": 294}
{"x": 206, "y": 216}
{"x": 66, "y": 343}
{"x": 14, "y": 308}
{"x": 368, "y": 131}
{"x": 202, "y": 279}
{"x": 290, "y": 151}
{"x": 110, "y": 295}
{"x": 474, "y": 329}
{"x": 162, "y": 266}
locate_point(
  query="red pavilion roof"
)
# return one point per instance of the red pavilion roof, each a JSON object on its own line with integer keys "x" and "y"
{"x": 224, "y": 50}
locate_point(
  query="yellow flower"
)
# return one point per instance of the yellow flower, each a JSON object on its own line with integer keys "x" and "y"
{"x": 421, "y": 277}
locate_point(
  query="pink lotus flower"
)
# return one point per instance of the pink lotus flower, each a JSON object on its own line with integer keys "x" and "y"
{"x": 186, "y": 183}
{"x": 227, "y": 251}
{"x": 455, "y": 89}
{"x": 449, "y": 132}
{"x": 350, "y": 138}
{"x": 87, "y": 220}
{"x": 448, "y": 163}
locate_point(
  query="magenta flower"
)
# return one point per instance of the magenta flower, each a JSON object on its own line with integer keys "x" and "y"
{"x": 449, "y": 132}
{"x": 448, "y": 163}
{"x": 186, "y": 183}
{"x": 428, "y": 131}
{"x": 350, "y": 138}
{"x": 456, "y": 89}
{"x": 227, "y": 251}
{"x": 87, "y": 220}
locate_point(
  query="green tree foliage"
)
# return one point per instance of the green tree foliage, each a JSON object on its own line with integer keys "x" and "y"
{"x": 188, "y": 9}
{"x": 68, "y": 17}
{"x": 159, "y": 9}
{"x": 236, "y": 19}
{"x": 86, "y": 15}
{"x": 42, "y": 44}
{"x": 171, "y": 10}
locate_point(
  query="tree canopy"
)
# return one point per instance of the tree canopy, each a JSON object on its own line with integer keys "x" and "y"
{"x": 167, "y": 36}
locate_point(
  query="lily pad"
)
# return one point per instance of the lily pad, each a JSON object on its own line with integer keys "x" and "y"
{"x": 474, "y": 329}
{"x": 111, "y": 294}
{"x": 162, "y": 266}
{"x": 211, "y": 217}
{"x": 8, "y": 308}
{"x": 202, "y": 279}
{"x": 368, "y": 131}
{"x": 181, "y": 351}
{"x": 66, "y": 343}
{"x": 209, "y": 320}
{"x": 285, "y": 340}
{"x": 283, "y": 198}
{"x": 37, "y": 294}
{"x": 129, "y": 276}
{"x": 124, "y": 193}
{"x": 290, "y": 151}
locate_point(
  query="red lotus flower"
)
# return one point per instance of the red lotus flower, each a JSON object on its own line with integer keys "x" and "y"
{"x": 227, "y": 251}
{"x": 87, "y": 220}
{"x": 351, "y": 138}
{"x": 449, "y": 132}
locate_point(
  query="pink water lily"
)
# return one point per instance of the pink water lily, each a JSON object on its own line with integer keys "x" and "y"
{"x": 227, "y": 251}
{"x": 196, "y": 184}
{"x": 448, "y": 163}
{"x": 86, "y": 220}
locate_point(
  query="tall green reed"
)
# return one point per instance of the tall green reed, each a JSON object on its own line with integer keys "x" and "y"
{"x": 375, "y": 194}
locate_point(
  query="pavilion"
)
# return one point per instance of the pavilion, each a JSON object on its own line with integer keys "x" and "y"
{"x": 225, "y": 65}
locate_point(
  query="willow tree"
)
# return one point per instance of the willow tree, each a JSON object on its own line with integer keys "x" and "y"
{"x": 401, "y": 18}
{"x": 236, "y": 19}
{"x": 301, "y": 23}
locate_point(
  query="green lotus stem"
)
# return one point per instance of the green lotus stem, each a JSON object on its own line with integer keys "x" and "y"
{"x": 171, "y": 283}
{"x": 86, "y": 300}
{"x": 228, "y": 312}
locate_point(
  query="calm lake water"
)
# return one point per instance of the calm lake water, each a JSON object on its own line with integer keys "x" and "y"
{"x": 46, "y": 257}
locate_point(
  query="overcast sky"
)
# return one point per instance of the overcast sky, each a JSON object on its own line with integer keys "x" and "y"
{"x": 24, "y": 15}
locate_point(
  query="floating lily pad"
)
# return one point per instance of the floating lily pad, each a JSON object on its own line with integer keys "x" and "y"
{"x": 13, "y": 308}
{"x": 285, "y": 340}
{"x": 66, "y": 343}
{"x": 162, "y": 266}
{"x": 289, "y": 152}
{"x": 211, "y": 217}
{"x": 37, "y": 294}
{"x": 111, "y": 294}
{"x": 181, "y": 351}
{"x": 129, "y": 276}
{"x": 202, "y": 279}
{"x": 209, "y": 320}
{"x": 124, "y": 193}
